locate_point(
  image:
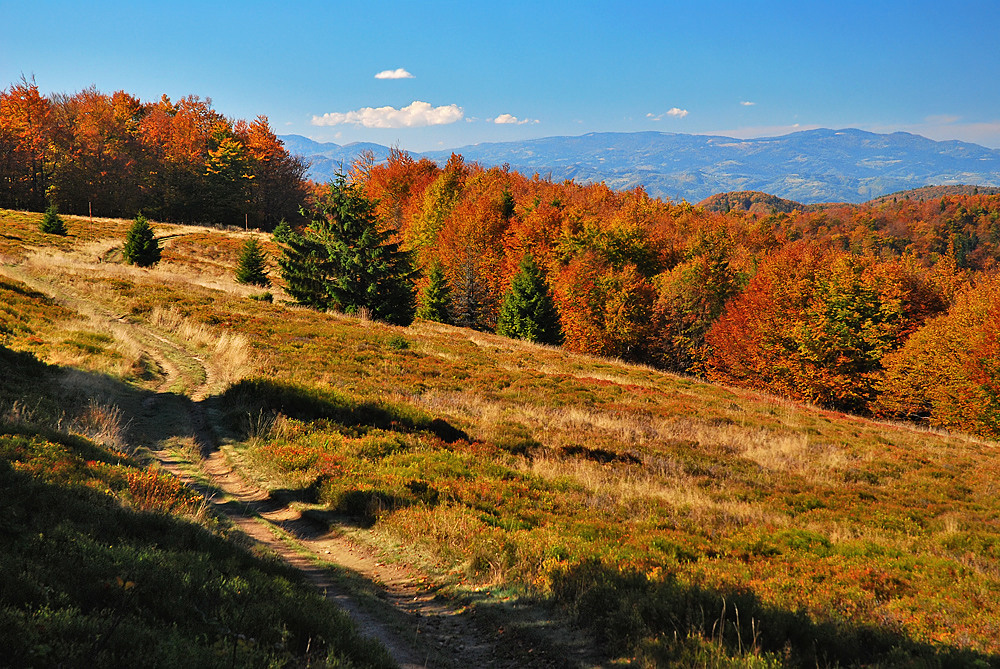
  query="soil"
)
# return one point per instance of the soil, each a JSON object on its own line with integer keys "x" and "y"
{"x": 397, "y": 604}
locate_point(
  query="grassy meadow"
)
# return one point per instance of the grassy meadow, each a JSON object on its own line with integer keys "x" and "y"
{"x": 678, "y": 523}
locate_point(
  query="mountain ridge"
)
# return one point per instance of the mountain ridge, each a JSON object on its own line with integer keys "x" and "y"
{"x": 808, "y": 166}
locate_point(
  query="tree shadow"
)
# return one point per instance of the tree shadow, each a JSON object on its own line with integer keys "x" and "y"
{"x": 88, "y": 581}
{"x": 624, "y": 609}
{"x": 268, "y": 396}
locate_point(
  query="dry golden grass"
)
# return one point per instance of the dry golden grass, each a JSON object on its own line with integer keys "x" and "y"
{"x": 779, "y": 450}
{"x": 580, "y": 455}
{"x": 82, "y": 280}
{"x": 91, "y": 261}
{"x": 104, "y": 424}
{"x": 641, "y": 491}
{"x": 228, "y": 355}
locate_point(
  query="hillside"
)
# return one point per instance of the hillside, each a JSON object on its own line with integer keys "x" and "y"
{"x": 751, "y": 201}
{"x": 935, "y": 193}
{"x": 810, "y": 166}
{"x": 107, "y": 558}
{"x": 676, "y": 523}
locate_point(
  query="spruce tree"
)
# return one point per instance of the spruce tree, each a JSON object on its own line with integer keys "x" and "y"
{"x": 283, "y": 232}
{"x": 141, "y": 247}
{"x": 51, "y": 224}
{"x": 527, "y": 311}
{"x": 469, "y": 297}
{"x": 345, "y": 261}
{"x": 436, "y": 297}
{"x": 305, "y": 268}
{"x": 251, "y": 267}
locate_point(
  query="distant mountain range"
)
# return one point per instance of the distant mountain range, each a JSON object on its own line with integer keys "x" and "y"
{"x": 810, "y": 166}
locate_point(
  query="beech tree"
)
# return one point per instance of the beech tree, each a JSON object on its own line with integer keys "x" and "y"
{"x": 345, "y": 261}
{"x": 948, "y": 372}
{"x": 816, "y": 325}
{"x": 528, "y": 311}
{"x": 113, "y": 155}
{"x": 691, "y": 297}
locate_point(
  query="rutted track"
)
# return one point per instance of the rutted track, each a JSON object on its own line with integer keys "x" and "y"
{"x": 403, "y": 609}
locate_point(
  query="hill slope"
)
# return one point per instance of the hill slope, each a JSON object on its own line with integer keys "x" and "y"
{"x": 327, "y": 159}
{"x": 678, "y": 523}
{"x": 810, "y": 166}
{"x": 935, "y": 193}
{"x": 752, "y": 201}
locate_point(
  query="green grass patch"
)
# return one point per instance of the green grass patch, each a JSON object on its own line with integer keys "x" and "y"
{"x": 100, "y": 564}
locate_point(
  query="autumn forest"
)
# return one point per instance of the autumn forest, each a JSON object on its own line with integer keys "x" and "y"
{"x": 886, "y": 309}
{"x": 746, "y": 432}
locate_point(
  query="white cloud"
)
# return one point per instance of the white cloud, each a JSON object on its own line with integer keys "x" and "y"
{"x": 747, "y": 103}
{"x": 415, "y": 115}
{"x": 507, "y": 119}
{"x": 676, "y": 112}
{"x": 394, "y": 74}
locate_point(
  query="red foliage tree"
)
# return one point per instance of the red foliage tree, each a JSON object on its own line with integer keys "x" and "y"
{"x": 815, "y": 325}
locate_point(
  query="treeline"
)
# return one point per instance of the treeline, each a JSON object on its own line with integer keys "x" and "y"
{"x": 115, "y": 156}
{"x": 887, "y": 310}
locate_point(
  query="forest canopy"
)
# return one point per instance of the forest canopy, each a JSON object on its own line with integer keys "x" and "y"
{"x": 115, "y": 156}
{"x": 818, "y": 305}
{"x": 883, "y": 309}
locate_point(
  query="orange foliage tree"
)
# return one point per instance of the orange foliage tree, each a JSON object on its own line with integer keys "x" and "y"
{"x": 948, "y": 372}
{"x": 113, "y": 155}
{"x": 815, "y": 325}
{"x": 690, "y": 298}
{"x": 25, "y": 146}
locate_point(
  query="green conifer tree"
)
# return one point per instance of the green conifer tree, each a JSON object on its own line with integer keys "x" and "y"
{"x": 527, "y": 311}
{"x": 436, "y": 297}
{"x": 251, "y": 267}
{"x": 283, "y": 232}
{"x": 51, "y": 223}
{"x": 345, "y": 261}
{"x": 469, "y": 296}
{"x": 141, "y": 247}
{"x": 305, "y": 268}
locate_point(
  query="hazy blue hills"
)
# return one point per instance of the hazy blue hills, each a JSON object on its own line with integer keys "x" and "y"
{"x": 809, "y": 166}
{"x": 326, "y": 159}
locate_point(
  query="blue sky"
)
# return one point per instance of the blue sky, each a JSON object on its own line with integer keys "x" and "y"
{"x": 468, "y": 72}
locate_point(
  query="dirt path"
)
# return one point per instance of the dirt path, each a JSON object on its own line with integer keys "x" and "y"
{"x": 395, "y": 604}
{"x": 404, "y": 609}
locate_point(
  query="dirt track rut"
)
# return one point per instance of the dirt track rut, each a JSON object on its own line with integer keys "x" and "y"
{"x": 403, "y": 609}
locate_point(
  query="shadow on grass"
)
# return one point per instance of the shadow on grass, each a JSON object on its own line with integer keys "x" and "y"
{"x": 626, "y": 611}
{"x": 85, "y": 581}
{"x": 255, "y": 395}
